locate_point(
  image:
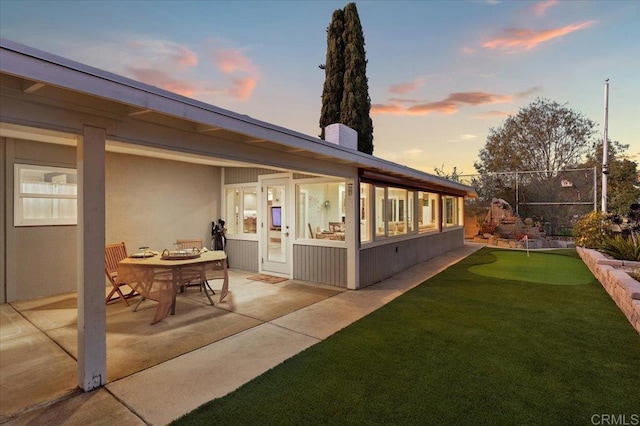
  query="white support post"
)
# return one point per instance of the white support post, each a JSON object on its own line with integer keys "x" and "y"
{"x": 605, "y": 147}
{"x": 92, "y": 334}
{"x": 352, "y": 232}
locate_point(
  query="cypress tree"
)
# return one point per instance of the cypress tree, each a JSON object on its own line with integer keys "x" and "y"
{"x": 334, "y": 72}
{"x": 345, "y": 95}
{"x": 356, "y": 103}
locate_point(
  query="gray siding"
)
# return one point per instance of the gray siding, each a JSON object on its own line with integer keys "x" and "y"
{"x": 242, "y": 255}
{"x": 245, "y": 174}
{"x": 378, "y": 263}
{"x": 327, "y": 265}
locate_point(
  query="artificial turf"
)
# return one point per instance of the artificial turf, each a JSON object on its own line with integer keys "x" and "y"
{"x": 461, "y": 348}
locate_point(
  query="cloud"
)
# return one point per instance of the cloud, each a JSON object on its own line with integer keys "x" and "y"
{"x": 163, "y": 80}
{"x": 245, "y": 74}
{"x": 468, "y": 50}
{"x": 243, "y": 87}
{"x": 539, "y": 9}
{"x": 514, "y": 40}
{"x": 154, "y": 53}
{"x": 230, "y": 61}
{"x": 450, "y": 105}
{"x": 406, "y": 87}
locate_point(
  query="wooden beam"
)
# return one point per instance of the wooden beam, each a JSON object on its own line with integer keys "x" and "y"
{"x": 30, "y": 86}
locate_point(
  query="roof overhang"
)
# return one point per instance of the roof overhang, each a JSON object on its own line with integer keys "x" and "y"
{"x": 33, "y": 74}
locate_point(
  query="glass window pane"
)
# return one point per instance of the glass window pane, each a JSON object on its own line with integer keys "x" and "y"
{"x": 321, "y": 211}
{"x": 397, "y": 222}
{"x": 381, "y": 208}
{"x": 427, "y": 211}
{"x": 232, "y": 209}
{"x": 365, "y": 213}
{"x": 45, "y": 195}
{"x": 249, "y": 211}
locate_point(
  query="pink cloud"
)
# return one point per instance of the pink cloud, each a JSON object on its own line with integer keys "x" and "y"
{"x": 243, "y": 87}
{"x": 184, "y": 57}
{"x": 523, "y": 39}
{"x": 232, "y": 60}
{"x": 539, "y": 9}
{"x": 163, "y": 80}
{"x": 449, "y": 105}
{"x": 406, "y": 87}
{"x": 387, "y": 109}
{"x": 468, "y": 50}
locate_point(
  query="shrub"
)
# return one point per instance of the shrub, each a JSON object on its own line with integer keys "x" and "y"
{"x": 591, "y": 229}
{"x": 621, "y": 248}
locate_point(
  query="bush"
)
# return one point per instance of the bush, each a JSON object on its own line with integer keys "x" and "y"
{"x": 591, "y": 229}
{"x": 621, "y": 248}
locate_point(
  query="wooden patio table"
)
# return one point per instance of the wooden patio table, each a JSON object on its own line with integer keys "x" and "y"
{"x": 158, "y": 279}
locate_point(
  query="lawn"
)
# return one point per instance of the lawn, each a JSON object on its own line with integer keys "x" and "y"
{"x": 461, "y": 348}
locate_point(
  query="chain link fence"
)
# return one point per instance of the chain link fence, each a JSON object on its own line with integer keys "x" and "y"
{"x": 554, "y": 199}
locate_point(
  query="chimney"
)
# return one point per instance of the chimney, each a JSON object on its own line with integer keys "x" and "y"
{"x": 342, "y": 135}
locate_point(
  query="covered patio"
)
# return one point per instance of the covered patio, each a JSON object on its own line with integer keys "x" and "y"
{"x": 39, "y": 351}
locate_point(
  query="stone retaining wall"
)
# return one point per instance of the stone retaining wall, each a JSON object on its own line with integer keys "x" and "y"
{"x": 623, "y": 289}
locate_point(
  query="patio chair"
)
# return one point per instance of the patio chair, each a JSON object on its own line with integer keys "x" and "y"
{"x": 188, "y": 244}
{"x": 114, "y": 253}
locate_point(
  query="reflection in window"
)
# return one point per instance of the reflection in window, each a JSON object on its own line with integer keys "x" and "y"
{"x": 397, "y": 221}
{"x": 381, "y": 208}
{"x": 427, "y": 211}
{"x": 45, "y": 196}
{"x": 451, "y": 210}
{"x": 321, "y": 211}
{"x": 365, "y": 212}
{"x": 241, "y": 210}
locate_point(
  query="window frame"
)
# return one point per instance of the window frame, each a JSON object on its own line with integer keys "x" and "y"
{"x": 18, "y": 196}
{"x": 241, "y": 188}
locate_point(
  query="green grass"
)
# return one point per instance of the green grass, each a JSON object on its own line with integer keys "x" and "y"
{"x": 543, "y": 268}
{"x": 461, "y": 348}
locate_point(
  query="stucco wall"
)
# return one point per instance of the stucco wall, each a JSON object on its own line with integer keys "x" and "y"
{"x": 152, "y": 202}
{"x": 149, "y": 202}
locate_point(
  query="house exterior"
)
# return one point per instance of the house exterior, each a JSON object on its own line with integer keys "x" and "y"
{"x": 89, "y": 157}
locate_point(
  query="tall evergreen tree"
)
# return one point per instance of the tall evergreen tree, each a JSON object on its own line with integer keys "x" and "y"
{"x": 346, "y": 58}
{"x": 334, "y": 72}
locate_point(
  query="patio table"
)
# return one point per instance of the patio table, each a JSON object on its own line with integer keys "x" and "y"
{"x": 158, "y": 279}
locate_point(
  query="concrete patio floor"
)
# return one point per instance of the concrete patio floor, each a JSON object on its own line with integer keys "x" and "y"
{"x": 156, "y": 373}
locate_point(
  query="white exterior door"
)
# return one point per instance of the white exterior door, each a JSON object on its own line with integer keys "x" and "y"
{"x": 276, "y": 233}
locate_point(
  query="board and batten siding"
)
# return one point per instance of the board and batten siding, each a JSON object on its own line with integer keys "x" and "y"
{"x": 242, "y": 254}
{"x": 233, "y": 175}
{"x": 378, "y": 263}
{"x": 326, "y": 265}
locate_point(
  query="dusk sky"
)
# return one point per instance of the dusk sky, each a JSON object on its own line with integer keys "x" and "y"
{"x": 441, "y": 73}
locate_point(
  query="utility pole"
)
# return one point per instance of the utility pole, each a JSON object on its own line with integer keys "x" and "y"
{"x": 605, "y": 147}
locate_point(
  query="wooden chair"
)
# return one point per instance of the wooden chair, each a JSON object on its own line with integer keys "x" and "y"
{"x": 188, "y": 244}
{"x": 114, "y": 253}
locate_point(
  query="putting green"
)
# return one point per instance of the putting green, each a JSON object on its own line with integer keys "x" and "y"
{"x": 541, "y": 268}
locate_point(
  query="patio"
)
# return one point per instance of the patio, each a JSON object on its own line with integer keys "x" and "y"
{"x": 39, "y": 337}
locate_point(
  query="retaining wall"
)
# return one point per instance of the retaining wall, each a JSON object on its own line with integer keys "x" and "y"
{"x": 623, "y": 289}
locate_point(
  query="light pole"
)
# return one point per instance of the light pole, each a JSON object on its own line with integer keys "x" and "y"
{"x": 605, "y": 147}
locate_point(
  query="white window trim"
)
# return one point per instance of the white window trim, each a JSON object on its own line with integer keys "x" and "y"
{"x": 241, "y": 187}
{"x": 18, "y": 195}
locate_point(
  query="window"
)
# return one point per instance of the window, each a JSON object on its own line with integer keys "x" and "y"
{"x": 321, "y": 211}
{"x": 427, "y": 211}
{"x": 451, "y": 211}
{"x": 45, "y": 196}
{"x": 398, "y": 215}
{"x": 381, "y": 209}
{"x": 365, "y": 212}
{"x": 241, "y": 210}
